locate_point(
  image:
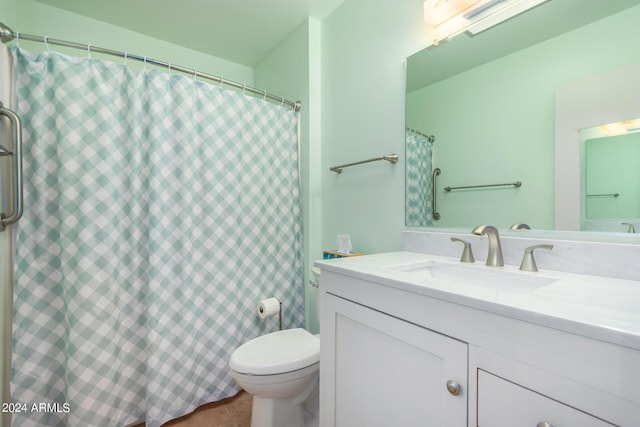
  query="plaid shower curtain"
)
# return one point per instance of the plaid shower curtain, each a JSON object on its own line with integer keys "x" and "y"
{"x": 418, "y": 180}
{"x": 158, "y": 211}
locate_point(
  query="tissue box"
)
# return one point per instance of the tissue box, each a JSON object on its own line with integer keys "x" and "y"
{"x": 334, "y": 254}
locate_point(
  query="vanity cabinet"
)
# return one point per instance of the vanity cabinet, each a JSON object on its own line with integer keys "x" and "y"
{"x": 389, "y": 372}
{"x": 392, "y": 355}
{"x": 504, "y": 403}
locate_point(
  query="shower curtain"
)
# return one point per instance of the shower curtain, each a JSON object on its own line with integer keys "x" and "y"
{"x": 419, "y": 197}
{"x": 158, "y": 211}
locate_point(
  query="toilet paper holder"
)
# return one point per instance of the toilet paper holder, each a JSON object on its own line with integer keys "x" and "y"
{"x": 262, "y": 311}
{"x": 280, "y": 317}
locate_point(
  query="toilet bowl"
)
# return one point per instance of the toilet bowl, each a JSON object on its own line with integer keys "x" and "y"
{"x": 280, "y": 370}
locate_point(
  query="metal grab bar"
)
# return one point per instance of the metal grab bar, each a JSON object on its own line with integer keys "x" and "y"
{"x": 604, "y": 195}
{"x": 392, "y": 158}
{"x": 4, "y": 151}
{"x": 16, "y": 153}
{"x": 434, "y": 210}
{"x": 516, "y": 184}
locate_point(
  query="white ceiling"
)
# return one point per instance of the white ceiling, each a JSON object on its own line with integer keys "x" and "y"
{"x": 241, "y": 31}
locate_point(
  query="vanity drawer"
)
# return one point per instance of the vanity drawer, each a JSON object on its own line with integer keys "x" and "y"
{"x": 502, "y": 403}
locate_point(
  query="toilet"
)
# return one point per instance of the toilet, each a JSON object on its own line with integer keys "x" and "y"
{"x": 281, "y": 371}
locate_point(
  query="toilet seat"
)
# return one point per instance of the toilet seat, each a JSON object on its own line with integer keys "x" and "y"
{"x": 276, "y": 353}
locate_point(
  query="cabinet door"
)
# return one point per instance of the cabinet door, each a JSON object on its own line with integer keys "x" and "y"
{"x": 502, "y": 403}
{"x": 389, "y": 372}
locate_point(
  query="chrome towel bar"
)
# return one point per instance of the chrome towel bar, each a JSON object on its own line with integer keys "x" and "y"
{"x": 392, "y": 158}
{"x": 516, "y": 184}
{"x": 604, "y": 195}
{"x": 16, "y": 153}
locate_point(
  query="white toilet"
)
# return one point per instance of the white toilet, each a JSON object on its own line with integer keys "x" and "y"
{"x": 281, "y": 371}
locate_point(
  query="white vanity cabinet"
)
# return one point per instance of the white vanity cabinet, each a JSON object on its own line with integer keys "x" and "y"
{"x": 504, "y": 403}
{"x": 389, "y": 372}
{"x": 396, "y": 354}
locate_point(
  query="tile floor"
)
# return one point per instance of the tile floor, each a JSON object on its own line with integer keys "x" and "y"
{"x": 231, "y": 412}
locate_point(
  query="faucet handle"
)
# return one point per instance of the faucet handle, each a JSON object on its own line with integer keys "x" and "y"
{"x": 467, "y": 254}
{"x": 631, "y": 229}
{"x": 520, "y": 226}
{"x": 528, "y": 262}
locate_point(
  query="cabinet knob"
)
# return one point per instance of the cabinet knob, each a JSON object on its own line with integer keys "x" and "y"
{"x": 454, "y": 387}
{"x": 543, "y": 424}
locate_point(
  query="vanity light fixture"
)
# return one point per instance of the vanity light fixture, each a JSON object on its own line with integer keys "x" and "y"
{"x": 448, "y": 18}
{"x": 619, "y": 128}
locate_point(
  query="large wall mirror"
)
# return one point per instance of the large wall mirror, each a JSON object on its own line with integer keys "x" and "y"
{"x": 490, "y": 103}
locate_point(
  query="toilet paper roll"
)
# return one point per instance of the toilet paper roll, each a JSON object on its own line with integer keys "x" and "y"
{"x": 268, "y": 307}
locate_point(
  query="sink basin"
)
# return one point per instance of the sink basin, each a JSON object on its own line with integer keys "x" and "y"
{"x": 477, "y": 275}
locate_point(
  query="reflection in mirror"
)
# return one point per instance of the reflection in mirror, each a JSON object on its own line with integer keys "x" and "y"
{"x": 419, "y": 209}
{"x": 612, "y": 177}
{"x": 607, "y": 97}
{"x": 490, "y": 101}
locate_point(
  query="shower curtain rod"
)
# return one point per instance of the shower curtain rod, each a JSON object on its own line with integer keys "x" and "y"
{"x": 430, "y": 138}
{"x": 7, "y": 35}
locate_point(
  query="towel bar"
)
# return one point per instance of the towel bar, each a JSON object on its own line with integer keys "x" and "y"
{"x": 516, "y": 184}
{"x": 392, "y": 158}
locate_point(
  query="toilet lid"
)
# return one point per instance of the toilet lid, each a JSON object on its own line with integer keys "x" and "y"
{"x": 276, "y": 353}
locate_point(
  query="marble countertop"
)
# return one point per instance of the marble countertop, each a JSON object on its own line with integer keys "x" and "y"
{"x": 598, "y": 307}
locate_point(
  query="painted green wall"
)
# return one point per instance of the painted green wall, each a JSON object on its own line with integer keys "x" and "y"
{"x": 17, "y": 14}
{"x": 64, "y": 25}
{"x": 495, "y": 123}
{"x": 364, "y": 46}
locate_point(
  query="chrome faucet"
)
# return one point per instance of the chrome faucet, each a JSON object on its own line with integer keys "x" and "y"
{"x": 494, "y": 257}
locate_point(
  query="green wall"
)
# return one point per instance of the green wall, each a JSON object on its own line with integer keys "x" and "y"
{"x": 64, "y": 25}
{"x": 495, "y": 123}
{"x": 364, "y": 46}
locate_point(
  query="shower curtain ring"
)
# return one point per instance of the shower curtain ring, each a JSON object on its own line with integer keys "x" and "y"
{"x": 125, "y": 59}
{"x": 264, "y": 95}
{"x": 46, "y": 43}
{"x": 221, "y": 81}
{"x": 281, "y": 102}
{"x": 18, "y": 40}
{"x": 89, "y": 50}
